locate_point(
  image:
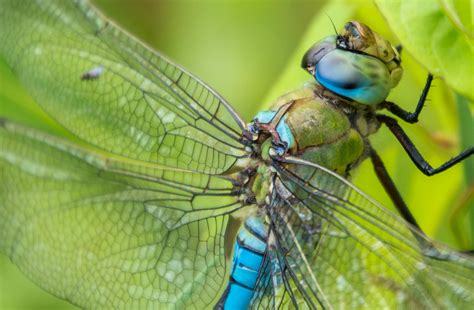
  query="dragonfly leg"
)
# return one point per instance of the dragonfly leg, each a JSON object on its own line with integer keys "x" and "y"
{"x": 398, "y": 201}
{"x": 410, "y": 117}
{"x": 414, "y": 154}
{"x": 391, "y": 189}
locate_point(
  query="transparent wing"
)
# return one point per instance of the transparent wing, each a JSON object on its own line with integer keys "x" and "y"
{"x": 104, "y": 233}
{"x": 340, "y": 249}
{"x": 113, "y": 92}
{"x": 276, "y": 288}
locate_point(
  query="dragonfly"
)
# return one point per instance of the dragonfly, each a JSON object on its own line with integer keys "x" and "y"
{"x": 166, "y": 198}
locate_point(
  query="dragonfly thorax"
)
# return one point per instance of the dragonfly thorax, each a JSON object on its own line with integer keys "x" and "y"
{"x": 311, "y": 126}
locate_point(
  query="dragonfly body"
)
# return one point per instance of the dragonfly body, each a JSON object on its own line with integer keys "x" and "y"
{"x": 312, "y": 125}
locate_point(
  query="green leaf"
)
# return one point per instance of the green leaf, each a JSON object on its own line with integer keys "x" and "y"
{"x": 466, "y": 124}
{"x": 426, "y": 31}
{"x": 460, "y": 13}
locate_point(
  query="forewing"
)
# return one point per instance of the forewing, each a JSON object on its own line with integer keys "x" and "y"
{"x": 103, "y": 233}
{"x": 113, "y": 92}
{"x": 344, "y": 250}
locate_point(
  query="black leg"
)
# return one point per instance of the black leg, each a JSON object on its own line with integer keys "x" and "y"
{"x": 397, "y": 199}
{"x": 391, "y": 189}
{"x": 410, "y": 117}
{"x": 414, "y": 154}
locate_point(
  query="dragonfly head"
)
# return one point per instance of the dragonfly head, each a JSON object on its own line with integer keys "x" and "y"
{"x": 357, "y": 64}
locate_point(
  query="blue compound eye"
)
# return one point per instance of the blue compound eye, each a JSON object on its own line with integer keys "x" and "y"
{"x": 337, "y": 72}
{"x": 362, "y": 78}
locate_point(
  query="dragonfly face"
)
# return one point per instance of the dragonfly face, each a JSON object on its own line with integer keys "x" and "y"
{"x": 357, "y": 64}
{"x": 141, "y": 211}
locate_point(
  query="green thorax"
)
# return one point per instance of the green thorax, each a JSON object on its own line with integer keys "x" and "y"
{"x": 323, "y": 130}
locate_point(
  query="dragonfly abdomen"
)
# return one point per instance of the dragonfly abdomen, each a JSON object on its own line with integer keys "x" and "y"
{"x": 249, "y": 251}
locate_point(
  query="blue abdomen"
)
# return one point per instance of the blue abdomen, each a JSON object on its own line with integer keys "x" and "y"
{"x": 249, "y": 250}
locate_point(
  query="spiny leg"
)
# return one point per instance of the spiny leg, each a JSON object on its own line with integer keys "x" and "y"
{"x": 410, "y": 117}
{"x": 414, "y": 154}
{"x": 417, "y": 158}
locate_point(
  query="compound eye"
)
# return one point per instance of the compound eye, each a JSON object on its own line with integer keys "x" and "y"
{"x": 336, "y": 70}
{"x": 362, "y": 78}
{"x": 318, "y": 51}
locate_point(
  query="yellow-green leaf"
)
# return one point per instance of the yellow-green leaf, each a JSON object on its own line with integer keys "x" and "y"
{"x": 435, "y": 39}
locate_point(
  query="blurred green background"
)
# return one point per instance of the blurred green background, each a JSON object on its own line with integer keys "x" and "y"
{"x": 249, "y": 51}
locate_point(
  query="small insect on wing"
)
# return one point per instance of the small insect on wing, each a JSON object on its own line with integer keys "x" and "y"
{"x": 93, "y": 74}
